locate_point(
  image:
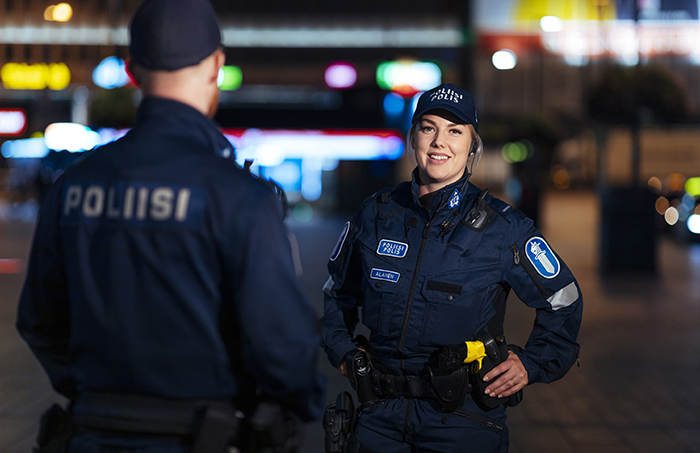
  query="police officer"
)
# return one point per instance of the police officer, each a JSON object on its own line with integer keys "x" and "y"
{"x": 161, "y": 295}
{"x": 429, "y": 263}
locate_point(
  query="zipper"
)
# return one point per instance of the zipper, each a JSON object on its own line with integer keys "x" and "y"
{"x": 531, "y": 272}
{"x": 412, "y": 288}
{"x": 481, "y": 419}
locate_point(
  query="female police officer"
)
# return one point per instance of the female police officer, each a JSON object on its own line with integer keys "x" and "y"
{"x": 430, "y": 263}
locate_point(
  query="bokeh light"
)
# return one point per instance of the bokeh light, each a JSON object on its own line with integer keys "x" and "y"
{"x": 694, "y": 223}
{"x": 39, "y": 76}
{"x": 655, "y": 184}
{"x": 504, "y": 59}
{"x": 230, "y": 78}
{"x": 340, "y": 74}
{"x": 62, "y": 12}
{"x": 662, "y": 205}
{"x": 671, "y": 216}
{"x": 550, "y": 24}
{"x": 110, "y": 73}
{"x": 408, "y": 77}
{"x": 692, "y": 186}
{"x": 302, "y": 212}
{"x": 560, "y": 177}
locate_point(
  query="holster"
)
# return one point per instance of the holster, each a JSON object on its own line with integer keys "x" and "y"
{"x": 360, "y": 372}
{"x": 339, "y": 423}
{"x": 450, "y": 387}
{"x": 496, "y": 353}
{"x": 55, "y": 431}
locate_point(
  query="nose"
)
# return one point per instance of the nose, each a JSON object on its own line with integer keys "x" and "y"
{"x": 438, "y": 140}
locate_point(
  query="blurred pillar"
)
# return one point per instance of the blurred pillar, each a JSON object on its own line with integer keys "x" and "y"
{"x": 466, "y": 60}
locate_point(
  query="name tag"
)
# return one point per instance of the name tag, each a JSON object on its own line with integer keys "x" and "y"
{"x": 388, "y": 247}
{"x": 381, "y": 274}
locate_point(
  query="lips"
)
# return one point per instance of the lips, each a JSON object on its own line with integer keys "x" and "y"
{"x": 438, "y": 157}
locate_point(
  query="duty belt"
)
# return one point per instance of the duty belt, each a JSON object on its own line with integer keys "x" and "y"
{"x": 387, "y": 385}
{"x": 209, "y": 424}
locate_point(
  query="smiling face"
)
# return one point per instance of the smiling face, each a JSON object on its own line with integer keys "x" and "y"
{"x": 442, "y": 146}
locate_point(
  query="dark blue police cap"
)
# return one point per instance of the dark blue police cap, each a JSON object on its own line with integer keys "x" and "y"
{"x": 173, "y": 34}
{"x": 451, "y": 98}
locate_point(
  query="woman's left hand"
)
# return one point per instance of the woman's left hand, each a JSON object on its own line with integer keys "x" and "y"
{"x": 513, "y": 377}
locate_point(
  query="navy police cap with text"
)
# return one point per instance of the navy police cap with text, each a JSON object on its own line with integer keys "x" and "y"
{"x": 173, "y": 34}
{"x": 451, "y": 98}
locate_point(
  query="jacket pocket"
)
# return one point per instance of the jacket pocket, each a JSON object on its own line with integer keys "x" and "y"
{"x": 453, "y": 312}
{"x": 377, "y": 307}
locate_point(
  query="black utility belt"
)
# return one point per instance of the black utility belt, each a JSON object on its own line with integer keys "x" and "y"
{"x": 390, "y": 386}
{"x": 142, "y": 414}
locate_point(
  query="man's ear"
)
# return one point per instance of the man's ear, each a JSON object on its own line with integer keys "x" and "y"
{"x": 219, "y": 61}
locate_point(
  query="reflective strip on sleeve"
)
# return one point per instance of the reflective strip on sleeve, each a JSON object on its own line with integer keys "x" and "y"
{"x": 328, "y": 286}
{"x": 564, "y": 297}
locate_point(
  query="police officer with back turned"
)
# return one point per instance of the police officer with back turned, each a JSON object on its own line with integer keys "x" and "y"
{"x": 161, "y": 296}
{"x": 430, "y": 264}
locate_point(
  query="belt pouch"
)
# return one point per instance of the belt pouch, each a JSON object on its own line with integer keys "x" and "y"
{"x": 450, "y": 388}
{"x": 217, "y": 429}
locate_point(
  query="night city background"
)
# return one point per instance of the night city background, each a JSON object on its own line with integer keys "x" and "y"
{"x": 590, "y": 115}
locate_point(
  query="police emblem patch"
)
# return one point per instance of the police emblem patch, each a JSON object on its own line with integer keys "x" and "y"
{"x": 542, "y": 257}
{"x": 381, "y": 274}
{"x": 455, "y": 199}
{"x": 341, "y": 240}
{"x": 388, "y": 247}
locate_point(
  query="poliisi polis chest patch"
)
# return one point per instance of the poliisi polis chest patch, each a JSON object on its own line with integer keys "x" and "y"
{"x": 387, "y": 247}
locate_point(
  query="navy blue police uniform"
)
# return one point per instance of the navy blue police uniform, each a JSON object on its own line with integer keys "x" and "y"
{"x": 159, "y": 267}
{"x": 424, "y": 278}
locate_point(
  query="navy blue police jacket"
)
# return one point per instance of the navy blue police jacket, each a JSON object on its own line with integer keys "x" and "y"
{"x": 160, "y": 267}
{"x": 426, "y": 278}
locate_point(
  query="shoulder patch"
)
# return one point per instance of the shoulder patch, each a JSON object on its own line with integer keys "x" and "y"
{"x": 387, "y": 247}
{"x": 341, "y": 240}
{"x": 542, "y": 257}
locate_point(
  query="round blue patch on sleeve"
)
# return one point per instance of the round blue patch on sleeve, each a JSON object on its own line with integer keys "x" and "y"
{"x": 542, "y": 257}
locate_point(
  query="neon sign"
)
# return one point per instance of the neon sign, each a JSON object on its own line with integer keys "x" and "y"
{"x": 39, "y": 76}
{"x": 12, "y": 122}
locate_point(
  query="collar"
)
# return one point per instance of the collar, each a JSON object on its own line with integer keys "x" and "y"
{"x": 157, "y": 112}
{"x": 442, "y": 197}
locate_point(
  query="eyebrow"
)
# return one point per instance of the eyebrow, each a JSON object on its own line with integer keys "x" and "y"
{"x": 435, "y": 124}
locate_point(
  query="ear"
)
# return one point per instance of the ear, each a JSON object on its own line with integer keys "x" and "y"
{"x": 218, "y": 61}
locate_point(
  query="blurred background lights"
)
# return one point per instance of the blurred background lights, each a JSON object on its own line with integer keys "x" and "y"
{"x": 560, "y": 177}
{"x": 61, "y": 12}
{"x": 12, "y": 122}
{"x": 110, "y": 73}
{"x": 340, "y": 74}
{"x": 655, "y": 184}
{"x": 302, "y": 212}
{"x": 671, "y": 216}
{"x": 26, "y": 148}
{"x": 517, "y": 151}
{"x": 38, "y": 76}
{"x": 230, "y": 78}
{"x": 551, "y": 24}
{"x": 70, "y": 137}
{"x": 694, "y": 223}
{"x": 408, "y": 77}
{"x": 393, "y": 104}
{"x": 662, "y": 205}
{"x": 692, "y": 186}
{"x": 504, "y": 59}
